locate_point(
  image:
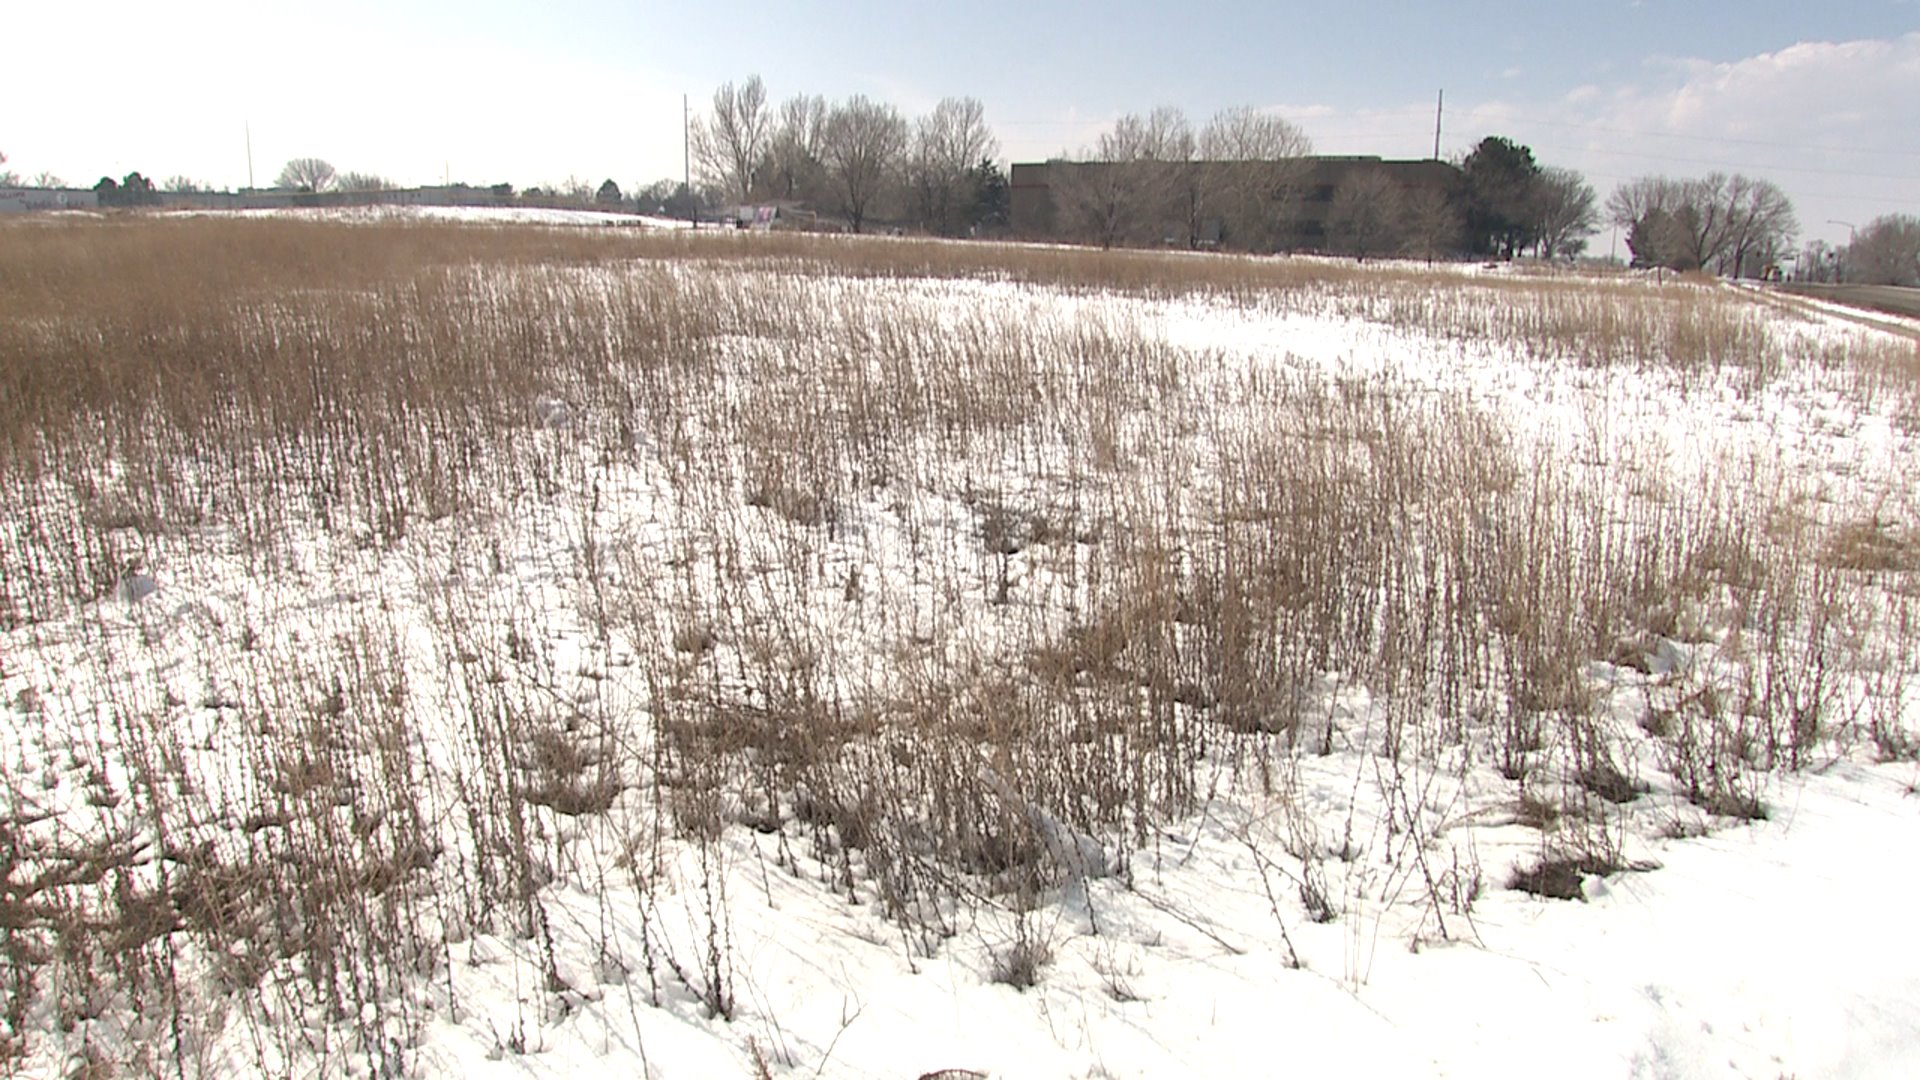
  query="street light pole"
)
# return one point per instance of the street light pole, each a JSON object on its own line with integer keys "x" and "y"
{"x": 1850, "y": 232}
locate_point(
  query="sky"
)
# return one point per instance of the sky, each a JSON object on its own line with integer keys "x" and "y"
{"x": 1823, "y": 98}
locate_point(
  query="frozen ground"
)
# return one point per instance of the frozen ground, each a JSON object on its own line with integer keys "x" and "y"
{"x": 1321, "y": 906}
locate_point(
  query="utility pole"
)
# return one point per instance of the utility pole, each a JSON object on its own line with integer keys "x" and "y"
{"x": 249, "y": 131}
{"x": 686, "y": 160}
{"x": 1439, "y": 107}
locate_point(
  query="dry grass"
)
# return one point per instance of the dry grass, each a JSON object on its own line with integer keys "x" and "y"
{"x": 490, "y": 559}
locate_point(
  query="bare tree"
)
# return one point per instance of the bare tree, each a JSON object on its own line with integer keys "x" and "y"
{"x": 649, "y": 197}
{"x": 1817, "y": 262}
{"x": 729, "y": 145}
{"x": 1650, "y": 209}
{"x": 1760, "y": 223}
{"x": 1161, "y": 135}
{"x": 1433, "y": 224}
{"x": 947, "y": 144}
{"x": 1703, "y": 218}
{"x": 306, "y": 174}
{"x": 1365, "y": 218}
{"x": 1251, "y": 162}
{"x": 670, "y": 197}
{"x": 1567, "y": 212}
{"x": 1719, "y": 222}
{"x": 45, "y": 179}
{"x": 8, "y": 178}
{"x": 1886, "y": 251}
{"x": 1127, "y": 184}
{"x": 362, "y": 181}
{"x": 862, "y": 148}
{"x": 1633, "y": 200}
{"x": 1093, "y": 200}
{"x": 1245, "y": 133}
{"x": 797, "y": 149}
{"x": 1164, "y": 148}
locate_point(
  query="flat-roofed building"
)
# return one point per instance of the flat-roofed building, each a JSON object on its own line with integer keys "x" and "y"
{"x": 1252, "y": 205}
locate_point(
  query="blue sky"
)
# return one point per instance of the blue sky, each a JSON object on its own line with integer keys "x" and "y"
{"x": 1822, "y": 98}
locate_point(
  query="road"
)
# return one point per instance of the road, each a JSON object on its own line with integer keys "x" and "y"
{"x": 1890, "y": 299}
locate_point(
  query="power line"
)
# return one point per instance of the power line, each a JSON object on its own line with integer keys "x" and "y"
{"x": 1844, "y": 173}
{"x": 1518, "y": 121}
{"x": 1378, "y": 137}
{"x": 1835, "y": 196}
{"x": 1775, "y": 144}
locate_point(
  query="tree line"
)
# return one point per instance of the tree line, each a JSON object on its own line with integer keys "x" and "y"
{"x": 1728, "y": 224}
{"x": 1740, "y": 226}
{"x": 1887, "y": 251}
{"x": 1247, "y": 179}
{"x": 1152, "y": 178}
{"x": 11, "y": 179}
{"x": 860, "y": 159}
{"x": 1241, "y": 180}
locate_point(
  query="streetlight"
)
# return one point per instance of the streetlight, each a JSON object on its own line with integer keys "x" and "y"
{"x": 1850, "y": 228}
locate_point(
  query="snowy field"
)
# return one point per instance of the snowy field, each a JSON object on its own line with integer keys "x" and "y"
{"x": 471, "y": 215}
{"x": 543, "y": 651}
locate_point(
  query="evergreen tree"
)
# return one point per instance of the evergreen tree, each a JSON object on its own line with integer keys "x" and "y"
{"x": 1660, "y": 239}
{"x": 683, "y": 204}
{"x": 137, "y": 190}
{"x": 1501, "y": 187}
{"x": 992, "y": 198}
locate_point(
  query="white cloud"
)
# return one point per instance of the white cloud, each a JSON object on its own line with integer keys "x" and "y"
{"x": 1797, "y": 94}
{"x": 1834, "y": 123}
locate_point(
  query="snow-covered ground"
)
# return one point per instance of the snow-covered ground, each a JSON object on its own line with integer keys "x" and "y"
{"x": 1774, "y": 949}
{"x": 515, "y": 215}
{"x": 472, "y": 215}
{"x": 1332, "y": 897}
